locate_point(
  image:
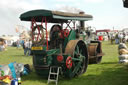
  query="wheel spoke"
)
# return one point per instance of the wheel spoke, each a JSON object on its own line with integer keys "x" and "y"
{"x": 81, "y": 54}
{"x": 77, "y": 48}
{"x": 81, "y": 51}
{"x": 81, "y": 67}
{"x": 75, "y": 52}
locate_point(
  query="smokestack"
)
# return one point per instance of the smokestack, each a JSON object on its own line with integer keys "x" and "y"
{"x": 82, "y": 25}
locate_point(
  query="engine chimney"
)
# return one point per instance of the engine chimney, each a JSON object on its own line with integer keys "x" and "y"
{"x": 82, "y": 25}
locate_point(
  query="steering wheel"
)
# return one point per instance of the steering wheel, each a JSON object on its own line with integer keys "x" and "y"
{"x": 66, "y": 32}
{"x": 37, "y": 34}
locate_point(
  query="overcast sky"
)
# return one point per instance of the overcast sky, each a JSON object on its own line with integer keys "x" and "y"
{"x": 106, "y": 13}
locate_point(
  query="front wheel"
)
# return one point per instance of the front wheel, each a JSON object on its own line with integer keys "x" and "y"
{"x": 78, "y": 51}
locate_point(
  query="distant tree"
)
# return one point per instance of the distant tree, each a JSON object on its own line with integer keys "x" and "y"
{"x": 3, "y": 35}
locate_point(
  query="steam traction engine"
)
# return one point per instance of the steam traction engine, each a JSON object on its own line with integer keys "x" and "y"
{"x": 66, "y": 45}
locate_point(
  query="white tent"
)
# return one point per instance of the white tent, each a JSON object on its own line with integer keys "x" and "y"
{"x": 10, "y": 39}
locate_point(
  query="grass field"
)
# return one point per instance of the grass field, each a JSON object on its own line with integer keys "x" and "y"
{"x": 108, "y": 72}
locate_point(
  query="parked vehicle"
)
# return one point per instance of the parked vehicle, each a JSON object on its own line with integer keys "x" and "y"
{"x": 67, "y": 47}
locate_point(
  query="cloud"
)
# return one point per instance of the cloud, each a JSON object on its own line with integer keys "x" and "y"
{"x": 10, "y": 11}
{"x": 24, "y": 4}
{"x": 66, "y": 1}
{"x": 94, "y": 1}
{"x": 71, "y": 9}
{"x": 78, "y": 1}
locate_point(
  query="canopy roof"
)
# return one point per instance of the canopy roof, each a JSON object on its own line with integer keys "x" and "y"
{"x": 53, "y": 16}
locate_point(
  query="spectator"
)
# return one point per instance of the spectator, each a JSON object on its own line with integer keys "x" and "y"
{"x": 27, "y": 50}
{"x": 117, "y": 39}
{"x": 18, "y": 44}
{"x": 25, "y": 47}
{"x": 29, "y": 47}
{"x": 124, "y": 38}
{"x": 23, "y": 44}
{"x": 2, "y": 47}
{"x": 112, "y": 38}
{"x": 2, "y": 44}
{"x": 121, "y": 38}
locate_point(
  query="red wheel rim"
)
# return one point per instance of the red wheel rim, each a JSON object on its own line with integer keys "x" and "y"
{"x": 69, "y": 62}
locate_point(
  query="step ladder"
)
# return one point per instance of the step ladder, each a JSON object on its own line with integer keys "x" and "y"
{"x": 53, "y": 74}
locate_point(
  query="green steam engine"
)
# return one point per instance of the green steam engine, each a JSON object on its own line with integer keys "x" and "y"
{"x": 67, "y": 45}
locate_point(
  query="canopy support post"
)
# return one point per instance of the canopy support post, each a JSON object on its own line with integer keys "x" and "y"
{"x": 46, "y": 32}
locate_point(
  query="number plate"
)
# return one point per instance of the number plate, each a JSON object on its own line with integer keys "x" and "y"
{"x": 37, "y": 48}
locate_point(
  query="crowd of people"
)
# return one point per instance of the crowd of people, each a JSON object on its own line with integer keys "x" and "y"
{"x": 118, "y": 38}
{"x": 26, "y": 44}
{"x": 2, "y": 44}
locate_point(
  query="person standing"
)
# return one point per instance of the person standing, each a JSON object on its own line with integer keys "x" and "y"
{"x": 112, "y": 38}
{"x": 124, "y": 38}
{"x": 117, "y": 39}
{"x": 29, "y": 47}
{"x": 18, "y": 44}
{"x": 121, "y": 38}
{"x": 26, "y": 47}
{"x": 23, "y": 45}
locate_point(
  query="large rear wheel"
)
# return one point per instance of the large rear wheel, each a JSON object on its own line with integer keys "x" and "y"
{"x": 78, "y": 51}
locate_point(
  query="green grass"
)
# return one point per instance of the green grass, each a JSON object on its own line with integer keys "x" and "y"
{"x": 108, "y": 72}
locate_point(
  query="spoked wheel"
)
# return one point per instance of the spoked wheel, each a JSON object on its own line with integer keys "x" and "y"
{"x": 38, "y": 35}
{"x": 78, "y": 51}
